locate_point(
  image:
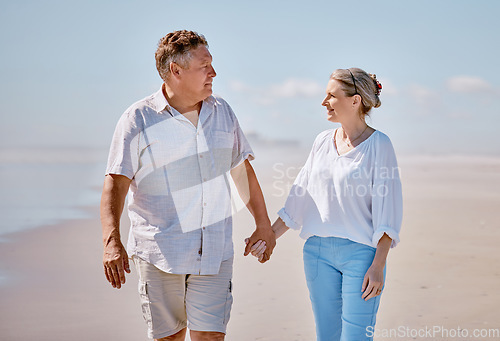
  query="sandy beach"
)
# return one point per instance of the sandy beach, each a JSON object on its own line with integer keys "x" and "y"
{"x": 444, "y": 274}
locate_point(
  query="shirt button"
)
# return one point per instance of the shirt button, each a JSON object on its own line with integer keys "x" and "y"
{"x": 204, "y": 179}
{"x": 201, "y": 156}
{"x": 204, "y": 204}
{"x": 199, "y": 252}
{"x": 203, "y": 227}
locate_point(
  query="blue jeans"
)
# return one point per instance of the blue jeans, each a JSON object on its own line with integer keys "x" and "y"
{"x": 335, "y": 268}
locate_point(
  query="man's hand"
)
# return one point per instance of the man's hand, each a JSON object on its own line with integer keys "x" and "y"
{"x": 260, "y": 247}
{"x": 257, "y": 249}
{"x": 264, "y": 234}
{"x": 115, "y": 261}
{"x": 115, "y": 258}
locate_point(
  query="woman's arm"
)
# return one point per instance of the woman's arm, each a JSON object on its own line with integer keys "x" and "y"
{"x": 279, "y": 227}
{"x": 374, "y": 277}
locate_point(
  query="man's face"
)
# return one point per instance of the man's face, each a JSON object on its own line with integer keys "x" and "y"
{"x": 196, "y": 79}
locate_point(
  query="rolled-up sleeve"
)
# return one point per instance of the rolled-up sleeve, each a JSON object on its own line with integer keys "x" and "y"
{"x": 293, "y": 212}
{"x": 241, "y": 148}
{"x": 387, "y": 197}
{"x": 123, "y": 156}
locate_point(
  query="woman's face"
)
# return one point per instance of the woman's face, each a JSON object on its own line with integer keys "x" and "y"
{"x": 338, "y": 105}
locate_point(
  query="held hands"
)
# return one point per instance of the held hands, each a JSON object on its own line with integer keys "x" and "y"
{"x": 115, "y": 261}
{"x": 373, "y": 282}
{"x": 257, "y": 249}
{"x": 261, "y": 243}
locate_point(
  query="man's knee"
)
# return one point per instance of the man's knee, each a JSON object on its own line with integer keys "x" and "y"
{"x": 179, "y": 336}
{"x": 206, "y": 336}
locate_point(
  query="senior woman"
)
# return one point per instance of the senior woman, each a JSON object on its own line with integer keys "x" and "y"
{"x": 347, "y": 203}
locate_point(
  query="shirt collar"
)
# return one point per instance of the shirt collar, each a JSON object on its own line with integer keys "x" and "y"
{"x": 159, "y": 103}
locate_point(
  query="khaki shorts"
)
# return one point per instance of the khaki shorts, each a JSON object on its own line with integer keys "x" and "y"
{"x": 172, "y": 302}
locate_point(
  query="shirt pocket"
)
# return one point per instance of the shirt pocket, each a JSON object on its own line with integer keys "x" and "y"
{"x": 148, "y": 147}
{"x": 147, "y": 154}
{"x": 223, "y": 139}
{"x": 222, "y": 150}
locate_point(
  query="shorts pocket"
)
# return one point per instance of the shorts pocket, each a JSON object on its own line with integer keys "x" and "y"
{"x": 229, "y": 303}
{"x": 311, "y": 256}
{"x": 145, "y": 304}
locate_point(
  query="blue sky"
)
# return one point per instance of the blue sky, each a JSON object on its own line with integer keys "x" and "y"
{"x": 69, "y": 69}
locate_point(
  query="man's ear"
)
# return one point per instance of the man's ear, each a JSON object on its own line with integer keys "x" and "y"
{"x": 175, "y": 69}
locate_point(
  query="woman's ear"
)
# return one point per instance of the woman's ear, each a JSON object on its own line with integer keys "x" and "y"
{"x": 356, "y": 99}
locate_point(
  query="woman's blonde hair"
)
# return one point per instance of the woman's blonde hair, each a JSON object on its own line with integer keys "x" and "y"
{"x": 358, "y": 82}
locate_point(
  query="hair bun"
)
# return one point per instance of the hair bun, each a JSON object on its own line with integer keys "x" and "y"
{"x": 378, "y": 86}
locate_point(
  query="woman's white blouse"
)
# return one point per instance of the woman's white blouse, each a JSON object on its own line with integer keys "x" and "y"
{"x": 356, "y": 195}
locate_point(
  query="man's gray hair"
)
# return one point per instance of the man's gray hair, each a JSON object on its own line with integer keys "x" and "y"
{"x": 176, "y": 47}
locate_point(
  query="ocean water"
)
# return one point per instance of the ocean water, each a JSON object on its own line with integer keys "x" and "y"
{"x": 41, "y": 186}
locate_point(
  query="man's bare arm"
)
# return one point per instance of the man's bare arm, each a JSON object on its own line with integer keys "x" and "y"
{"x": 250, "y": 192}
{"x": 115, "y": 258}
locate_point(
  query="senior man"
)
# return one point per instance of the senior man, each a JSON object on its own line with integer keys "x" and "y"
{"x": 172, "y": 152}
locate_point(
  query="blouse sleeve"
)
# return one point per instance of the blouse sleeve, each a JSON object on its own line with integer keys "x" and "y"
{"x": 387, "y": 198}
{"x": 293, "y": 212}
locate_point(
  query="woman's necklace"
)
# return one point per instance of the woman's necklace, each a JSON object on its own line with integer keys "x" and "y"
{"x": 349, "y": 144}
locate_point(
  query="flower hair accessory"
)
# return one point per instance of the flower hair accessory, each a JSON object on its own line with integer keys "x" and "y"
{"x": 378, "y": 86}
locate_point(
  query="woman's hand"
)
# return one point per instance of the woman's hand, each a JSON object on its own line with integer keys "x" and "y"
{"x": 257, "y": 249}
{"x": 374, "y": 277}
{"x": 373, "y": 282}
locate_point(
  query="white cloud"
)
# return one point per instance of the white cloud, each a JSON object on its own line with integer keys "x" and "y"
{"x": 293, "y": 87}
{"x": 424, "y": 101}
{"x": 468, "y": 84}
{"x": 289, "y": 88}
{"x": 239, "y": 86}
{"x": 460, "y": 99}
{"x": 460, "y": 114}
{"x": 423, "y": 95}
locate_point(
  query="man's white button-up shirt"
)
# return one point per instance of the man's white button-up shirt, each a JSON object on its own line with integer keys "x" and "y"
{"x": 179, "y": 200}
